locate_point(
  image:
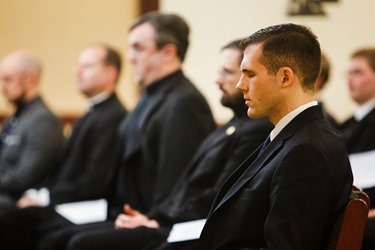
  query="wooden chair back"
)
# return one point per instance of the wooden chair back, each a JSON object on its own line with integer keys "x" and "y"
{"x": 351, "y": 224}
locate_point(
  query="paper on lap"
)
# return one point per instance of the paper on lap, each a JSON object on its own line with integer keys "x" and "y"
{"x": 363, "y": 167}
{"x": 190, "y": 230}
{"x": 84, "y": 211}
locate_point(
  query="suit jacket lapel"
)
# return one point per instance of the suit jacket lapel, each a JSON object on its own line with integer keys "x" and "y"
{"x": 250, "y": 168}
{"x": 255, "y": 163}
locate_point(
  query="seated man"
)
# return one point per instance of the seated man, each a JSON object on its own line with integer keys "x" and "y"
{"x": 87, "y": 165}
{"x": 359, "y": 130}
{"x": 287, "y": 194}
{"x": 32, "y": 138}
{"x": 193, "y": 194}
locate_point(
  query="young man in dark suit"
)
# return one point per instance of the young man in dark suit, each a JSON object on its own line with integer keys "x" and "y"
{"x": 32, "y": 138}
{"x": 287, "y": 194}
{"x": 195, "y": 190}
{"x": 87, "y": 166}
{"x": 359, "y": 130}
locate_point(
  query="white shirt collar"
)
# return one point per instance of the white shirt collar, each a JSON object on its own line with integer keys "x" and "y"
{"x": 97, "y": 99}
{"x": 289, "y": 117}
{"x": 363, "y": 110}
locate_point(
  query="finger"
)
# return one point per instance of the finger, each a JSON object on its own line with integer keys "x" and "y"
{"x": 129, "y": 210}
{"x": 120, "y": 221}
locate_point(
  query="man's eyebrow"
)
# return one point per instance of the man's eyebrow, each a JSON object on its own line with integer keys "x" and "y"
{"x": 228, "y": 70}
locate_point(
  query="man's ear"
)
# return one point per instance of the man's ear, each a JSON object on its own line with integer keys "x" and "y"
{"x": 29, "y": 80}
{"x": 112, "y": 72}
{"x": 285, "y": 76}
{"x": 170, "y": 50}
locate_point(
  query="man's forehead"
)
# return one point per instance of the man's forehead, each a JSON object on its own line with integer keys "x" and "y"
{"x": 141, "y": 32}
{"x": 92, "y": 54}
{"x": 251, "y": 54}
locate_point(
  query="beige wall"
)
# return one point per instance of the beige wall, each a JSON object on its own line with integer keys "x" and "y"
{"x": 56, "y": 31}
{"x": 348, "y": 25}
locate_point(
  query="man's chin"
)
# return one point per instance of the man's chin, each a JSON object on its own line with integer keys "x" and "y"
{"x": 252, "y": 114}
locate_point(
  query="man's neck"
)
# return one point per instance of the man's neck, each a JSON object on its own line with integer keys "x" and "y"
{"x": 164, "y": 71}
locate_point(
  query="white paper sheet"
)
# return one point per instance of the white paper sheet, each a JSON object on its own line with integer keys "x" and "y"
{"x": 363, "y": 167}
{"x": 41, "y": 195}
{"x": 189, "y": 230}
{"x": 84, "y": 211}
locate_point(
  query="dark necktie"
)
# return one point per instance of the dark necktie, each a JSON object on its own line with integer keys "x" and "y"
{"x": 265, "y": 144}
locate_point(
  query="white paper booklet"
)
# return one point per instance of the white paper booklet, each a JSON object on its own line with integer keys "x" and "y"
{"x": 363, "y": 167}
{"x": 84, "y": 211}
{"x": 189, "y": 230}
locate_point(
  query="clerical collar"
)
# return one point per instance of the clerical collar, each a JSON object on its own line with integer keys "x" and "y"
{"x": 289, "y": 117}
{"x": 364, "y": 110}
{"x": 95, "y": 100}
{"x": 154, "y": 87}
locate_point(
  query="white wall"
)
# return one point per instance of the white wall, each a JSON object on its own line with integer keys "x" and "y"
{"x": 346, "y": 26}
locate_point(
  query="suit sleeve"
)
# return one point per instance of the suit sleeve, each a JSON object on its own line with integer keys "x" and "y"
{"x": 42, "y": 144}
{"x": 301, "y": 196}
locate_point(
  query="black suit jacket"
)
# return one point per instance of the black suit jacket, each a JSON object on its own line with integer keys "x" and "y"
{"x": 289, "y": 196}
{"x": 360, "y": 137}
{"x": 175, "y": 122}
{"x": 89, "y": 159}
{"x": 216, "y": 159}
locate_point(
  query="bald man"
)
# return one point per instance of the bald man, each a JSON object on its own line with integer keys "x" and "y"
{"x": 32, "y": 137}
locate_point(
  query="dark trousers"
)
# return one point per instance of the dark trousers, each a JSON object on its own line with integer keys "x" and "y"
{"x": 105, "y": 236}
{"x": 369, "y": 237}
{"x": 24, "y": 228}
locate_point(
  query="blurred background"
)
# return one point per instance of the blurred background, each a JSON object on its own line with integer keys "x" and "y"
{"x": 57, "y": 30}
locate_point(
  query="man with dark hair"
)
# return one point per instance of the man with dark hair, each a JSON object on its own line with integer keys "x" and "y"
{"x": 169, "y": 122}
{"x": 87, "y": 165}
{"x": 287, "y": 194}
{"x": 168, "y": 28}
{"x": 358, "y": 130}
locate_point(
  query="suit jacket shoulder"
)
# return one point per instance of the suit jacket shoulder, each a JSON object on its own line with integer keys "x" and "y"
{"x": 359, "y": 135}
{"x": 30, "y": 150}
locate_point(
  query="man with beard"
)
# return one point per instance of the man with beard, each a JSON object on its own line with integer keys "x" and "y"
{"x": 32, "y": 138}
